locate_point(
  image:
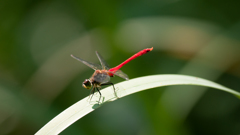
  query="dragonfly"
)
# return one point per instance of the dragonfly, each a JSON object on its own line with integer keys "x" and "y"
{"x": 103, "y": 72}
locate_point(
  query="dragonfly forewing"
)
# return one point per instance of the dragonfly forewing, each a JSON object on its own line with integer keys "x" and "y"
{"x": 91, "y": 65}
{"x": 104, "y": 64}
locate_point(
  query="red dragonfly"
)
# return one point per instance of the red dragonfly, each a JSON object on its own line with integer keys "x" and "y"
{"x": 102, "y": 73}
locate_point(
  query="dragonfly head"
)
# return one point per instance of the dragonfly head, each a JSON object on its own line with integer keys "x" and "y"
{"x": 87, "y": 84}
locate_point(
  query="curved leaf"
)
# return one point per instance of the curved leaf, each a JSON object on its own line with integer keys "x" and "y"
{"x": 83, "y": 107}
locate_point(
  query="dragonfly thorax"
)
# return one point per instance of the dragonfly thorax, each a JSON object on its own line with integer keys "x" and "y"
{"x": 87, "y": 84}
{"x": 100, "y": 77}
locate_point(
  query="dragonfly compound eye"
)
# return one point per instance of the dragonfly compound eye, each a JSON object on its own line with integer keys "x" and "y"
{"x": 87, "y": 84}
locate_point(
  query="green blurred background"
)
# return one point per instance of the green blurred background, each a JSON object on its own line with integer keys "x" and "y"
{"x": 39, "y": 79}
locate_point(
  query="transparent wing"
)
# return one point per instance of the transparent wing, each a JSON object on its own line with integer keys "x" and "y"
{"x": 121, "y": 74}
{"x": 91, "y": 65}
{"x": 103, "y": 62}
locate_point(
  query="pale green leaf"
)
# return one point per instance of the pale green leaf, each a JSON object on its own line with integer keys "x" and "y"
{"x": 83, "y": 107}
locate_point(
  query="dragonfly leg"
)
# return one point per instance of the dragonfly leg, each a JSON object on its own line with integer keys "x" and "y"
{"x": 110, "y": 83}
{"x": 91, "y": 92}
{"x": 99, "y": 94}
